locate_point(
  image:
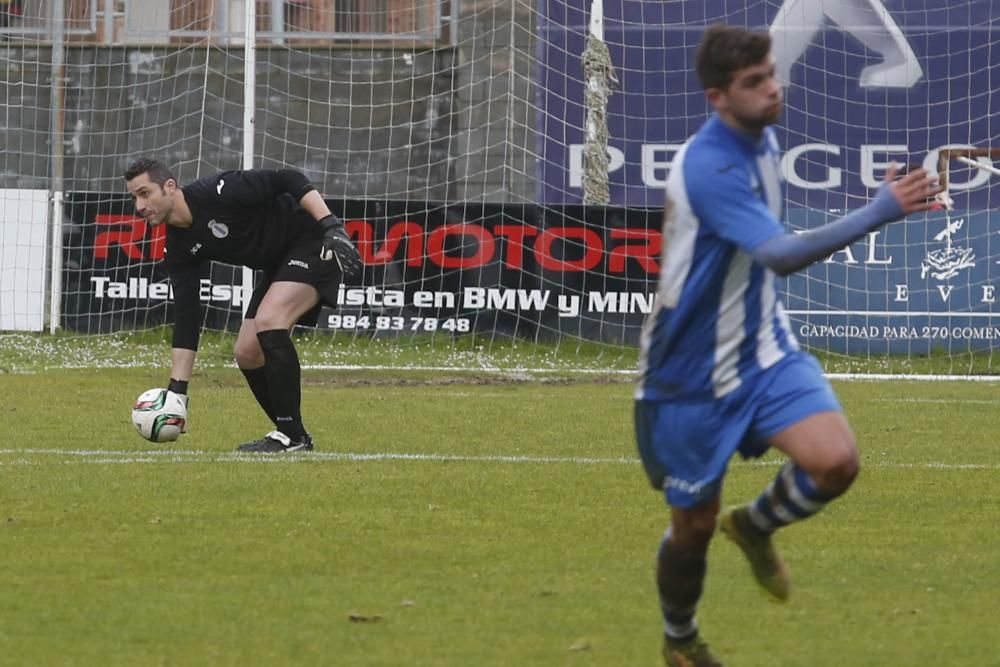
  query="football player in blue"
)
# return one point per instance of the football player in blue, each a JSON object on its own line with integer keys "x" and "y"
{"x": 720, "y": 369}
{"x": 274, "y": 221}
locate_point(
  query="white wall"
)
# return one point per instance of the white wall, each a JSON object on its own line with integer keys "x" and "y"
{"x": 23, "y": 259}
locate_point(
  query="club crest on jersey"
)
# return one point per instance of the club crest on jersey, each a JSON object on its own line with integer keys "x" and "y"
{"x": 219, "y": 230}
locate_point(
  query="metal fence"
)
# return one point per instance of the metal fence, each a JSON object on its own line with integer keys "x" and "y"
{"x": 312, "y": 22}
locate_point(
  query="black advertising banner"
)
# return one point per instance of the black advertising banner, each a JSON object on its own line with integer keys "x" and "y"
{"x": 514, "y": 269}
{"x": 112, "y": 276}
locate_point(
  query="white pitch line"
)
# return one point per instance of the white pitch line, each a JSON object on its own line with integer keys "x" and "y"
{"x": 500, "y": 370}
{"x": 108, "y": 457}
{"x": 173, "y": 455}
{"x": 949, "y": 401}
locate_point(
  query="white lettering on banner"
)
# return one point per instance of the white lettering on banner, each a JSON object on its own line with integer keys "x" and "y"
{"x": 620, "y": 302}
{"x": 471, "y": 298}
{"x": 945, "y": 291}
{"x": 872, "y": 246}
{"x": 651, "y": 166}
{"x": 889, "y": 332}
{"x": 870, "y": 253}
{"x": 212, "y": 292}
{"x": 389, "y": 323}
{"x": 873, "y": 160}
{"x": 504, "y": 299}
{"x": 507, "y": 299}
{"x": 839, "y": 331}
{"x": 370, "y": 296}
{"x": 434, "y": 299}
{"x": 902, "y": 332}
{"x": 833, "y": 180}
{"x": 616, "y": 160}
{"x": 976, "y": 333}
{"x": 871, "y": 169}
{"x": 142, "y": 288}
{"x": 569, "y": 305}
{"x": 104, "y": 288}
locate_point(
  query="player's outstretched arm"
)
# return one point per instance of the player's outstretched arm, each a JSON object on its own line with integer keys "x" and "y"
{"x": 896, "y": 198}
{"x": 187, "y": 327}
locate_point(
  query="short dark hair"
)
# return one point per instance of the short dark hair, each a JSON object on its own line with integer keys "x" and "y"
{"x": 158, "y": 172}
{"x": 725, "y": 49}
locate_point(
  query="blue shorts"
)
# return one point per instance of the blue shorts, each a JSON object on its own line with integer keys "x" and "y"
{"x": 685, "y": 445}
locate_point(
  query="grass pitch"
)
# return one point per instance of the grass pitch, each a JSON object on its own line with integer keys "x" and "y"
{"x": 463, "y": 521}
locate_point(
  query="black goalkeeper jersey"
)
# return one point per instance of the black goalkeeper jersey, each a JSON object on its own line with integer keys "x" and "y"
{"x": 249, "y": 218}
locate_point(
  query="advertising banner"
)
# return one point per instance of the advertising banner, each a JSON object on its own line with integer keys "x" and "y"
{"x": 514, "y": 269}
{"x": 543, "y": 272}
{"x": 112, "y": 276}
{"x": 867, "y": 82}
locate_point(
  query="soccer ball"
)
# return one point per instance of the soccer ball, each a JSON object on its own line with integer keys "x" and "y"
{"x": 159, "y": 415}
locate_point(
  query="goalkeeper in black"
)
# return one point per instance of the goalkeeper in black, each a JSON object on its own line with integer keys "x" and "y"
{"x": 274, "y": 221}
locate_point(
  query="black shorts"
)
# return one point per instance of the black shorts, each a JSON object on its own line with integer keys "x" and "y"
{"x": 301, "y": 264}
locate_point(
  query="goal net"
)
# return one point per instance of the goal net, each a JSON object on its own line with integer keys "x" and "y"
{"x": 500, "y": 165}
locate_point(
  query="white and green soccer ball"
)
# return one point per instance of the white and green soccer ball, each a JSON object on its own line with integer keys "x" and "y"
{"x": 159, "y": 415}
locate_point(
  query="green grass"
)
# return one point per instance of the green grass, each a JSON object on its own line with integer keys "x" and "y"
{"x": 26, "y": 353}
{"x": 118, "y": 553}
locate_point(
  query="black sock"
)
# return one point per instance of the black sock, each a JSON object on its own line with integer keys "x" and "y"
{"x": 680, "y": 576}
{"x": 257, "y": 379}
{"x": 284, "y": 376}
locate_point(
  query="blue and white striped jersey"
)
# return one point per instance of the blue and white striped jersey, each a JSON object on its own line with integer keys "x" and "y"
{"x": 717, "y": 321}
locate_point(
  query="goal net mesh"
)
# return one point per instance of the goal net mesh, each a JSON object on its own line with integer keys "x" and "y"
{"x": 500, "y": 165}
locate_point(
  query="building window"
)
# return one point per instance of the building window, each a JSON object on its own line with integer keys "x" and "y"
{"x": 164, "y": 21}
{"x": 10, "y": 11}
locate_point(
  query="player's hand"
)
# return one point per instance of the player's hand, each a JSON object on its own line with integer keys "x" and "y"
{"x": 915, "y": 190}
{"x": 337, "y": 246}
